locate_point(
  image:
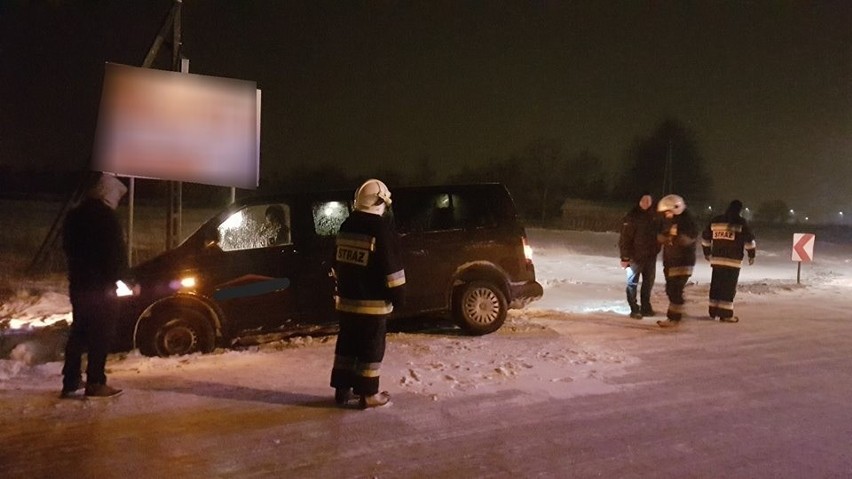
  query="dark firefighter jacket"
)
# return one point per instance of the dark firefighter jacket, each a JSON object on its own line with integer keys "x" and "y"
{"x": 638, "y": 239}
{"x": 678, "y": 236}
{"x": 368, "y": 267}
{"x": 94, "y": 246}
{"x": 724, "y": 240}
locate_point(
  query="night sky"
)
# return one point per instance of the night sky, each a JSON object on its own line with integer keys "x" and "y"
{"x": 765, "y": 86}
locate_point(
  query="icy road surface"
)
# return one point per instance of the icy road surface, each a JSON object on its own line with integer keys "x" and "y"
{"x": 570, "y": 387}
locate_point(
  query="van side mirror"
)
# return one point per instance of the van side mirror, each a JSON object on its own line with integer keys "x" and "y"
{"x": 210, "y": 237}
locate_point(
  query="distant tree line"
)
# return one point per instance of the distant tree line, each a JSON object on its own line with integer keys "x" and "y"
{"x": 540, "y": 177}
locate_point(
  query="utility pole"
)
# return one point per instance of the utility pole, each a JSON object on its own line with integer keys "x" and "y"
{"x": 173, "y": 218}
{"x": 178, "y": 63}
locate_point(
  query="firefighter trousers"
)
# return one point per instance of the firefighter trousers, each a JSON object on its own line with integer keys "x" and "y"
{"x": 359, "y": 352}
{"x": 723, "y": 288}
{"x": 674, "y": 291}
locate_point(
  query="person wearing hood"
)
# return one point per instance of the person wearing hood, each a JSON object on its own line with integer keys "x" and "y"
{"x": 370, "y": 283}
{"x": 678, "y": 235}
{"x": 638, "y": 246}
{"x": 723, "y": 242}
{"x": 93, "y": 242}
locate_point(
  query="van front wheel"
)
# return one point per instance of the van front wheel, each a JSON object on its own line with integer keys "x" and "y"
{"x": 479, "y": 307}
{"x": 177, "y": 331}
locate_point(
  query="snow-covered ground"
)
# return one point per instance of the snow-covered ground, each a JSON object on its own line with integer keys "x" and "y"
{"x": 568, "y": 387}
{"x": 581, "y": 278}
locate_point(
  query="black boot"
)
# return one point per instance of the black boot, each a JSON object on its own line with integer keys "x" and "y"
{"x": 342, "y": 396}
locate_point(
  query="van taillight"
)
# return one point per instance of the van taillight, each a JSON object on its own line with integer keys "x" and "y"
{"x": 528, "y": 252}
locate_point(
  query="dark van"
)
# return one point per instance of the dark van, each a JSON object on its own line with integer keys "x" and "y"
{"x": 262, "y": 267}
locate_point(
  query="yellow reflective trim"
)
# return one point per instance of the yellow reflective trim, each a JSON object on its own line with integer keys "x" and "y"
{"x": 396, "y": 279}
{"x": 729, "y": 262}
{"x": 727, "y": 305}
{"x": 361, "y": 242}
{"x": 680, "y": 271}
{"x": 726, "y": 227}
{"x": 363, "y": 306}
{"x": 368, "y": 370}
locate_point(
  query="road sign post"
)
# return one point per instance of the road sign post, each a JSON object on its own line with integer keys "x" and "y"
{"x": 803, "y": 251}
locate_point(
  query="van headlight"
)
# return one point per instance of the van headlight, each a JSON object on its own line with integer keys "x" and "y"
{"x": 184, "y": 283}
{"x": 122, "y": 290}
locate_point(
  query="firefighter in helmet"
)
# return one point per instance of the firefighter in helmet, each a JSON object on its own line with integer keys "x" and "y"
{"x": 370, "y": 283}
{"x": 678, "y": 235}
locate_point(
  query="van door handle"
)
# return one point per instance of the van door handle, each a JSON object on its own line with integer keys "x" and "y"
{"x": 419, "y": 252}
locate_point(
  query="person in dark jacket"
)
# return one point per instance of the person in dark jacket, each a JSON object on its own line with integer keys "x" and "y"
{"x": 723, "y": 242}
{"x": 370, "y": 283}
{"x": 638, "y": 247}
{"x": 94, "y": 246}
{"x": 678, "y": 234}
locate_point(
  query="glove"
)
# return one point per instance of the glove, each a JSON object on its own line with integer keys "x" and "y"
{"x": 750, "y": 261}
{"x": 707, "y": 257}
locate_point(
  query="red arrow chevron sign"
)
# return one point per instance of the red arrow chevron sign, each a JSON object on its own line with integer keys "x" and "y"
{"x": 803, "y": 246}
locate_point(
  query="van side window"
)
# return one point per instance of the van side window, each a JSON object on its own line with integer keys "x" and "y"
{"x": 424, "y": 212}
{"x": 328, "y": 216}
{"x": 475, "y": 211}
{"x": 442, "y": 212}
{"x": 257, "y": 226}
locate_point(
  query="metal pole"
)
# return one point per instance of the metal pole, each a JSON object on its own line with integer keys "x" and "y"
{"x": 799, "y": 273}
{"x": 174, "y": 220}
{"x": 131, "y": 190}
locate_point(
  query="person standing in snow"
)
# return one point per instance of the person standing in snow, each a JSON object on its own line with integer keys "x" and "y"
{"x": 94, "y": 246}
{"x": 678, "y": 235}
{"x": 370, "y": 283}
{"x": 723, "y": 242}
{"x": 638, "y": 247}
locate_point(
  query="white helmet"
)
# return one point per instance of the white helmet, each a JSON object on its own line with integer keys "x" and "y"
{"x": 673, "y": 203}
{"x": 372, "y": 197}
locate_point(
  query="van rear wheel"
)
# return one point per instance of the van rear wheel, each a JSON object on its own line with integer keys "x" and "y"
{"x": 479, "y": 307}
{"x": 177, "y": 331}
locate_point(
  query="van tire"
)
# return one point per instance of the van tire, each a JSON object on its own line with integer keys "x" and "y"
{"x": 479, "y": 307}
{"x": 175, "y": 331}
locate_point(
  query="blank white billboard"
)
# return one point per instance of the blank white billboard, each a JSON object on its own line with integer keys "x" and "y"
{"x": 178, "y": 126}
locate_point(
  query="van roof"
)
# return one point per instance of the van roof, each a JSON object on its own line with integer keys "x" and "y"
{"x": 273, "y": 197}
